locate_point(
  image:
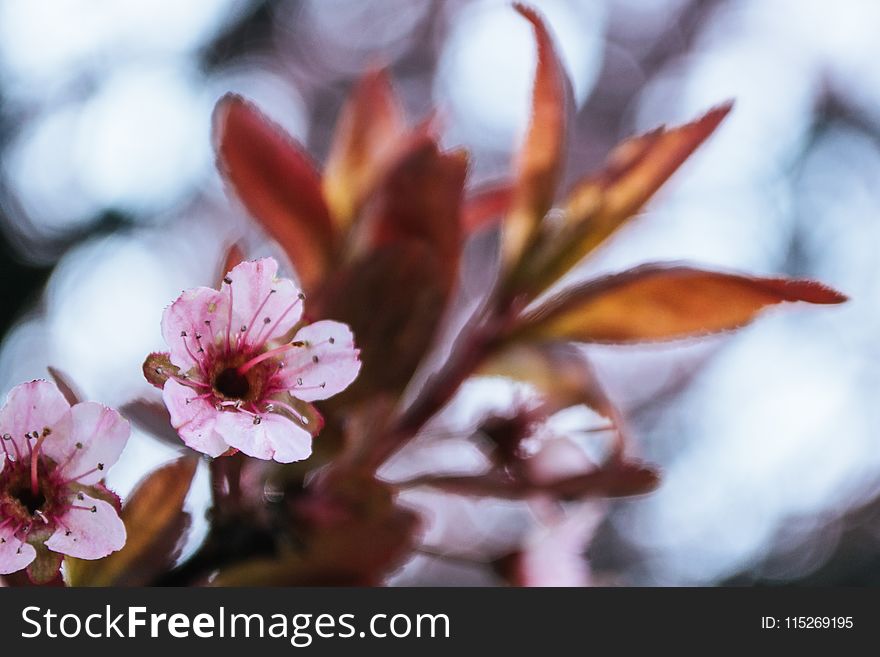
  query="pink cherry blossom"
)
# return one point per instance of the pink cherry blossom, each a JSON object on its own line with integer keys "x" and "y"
{"x": 240, "y": 372}
{"x": 54, "y": 457}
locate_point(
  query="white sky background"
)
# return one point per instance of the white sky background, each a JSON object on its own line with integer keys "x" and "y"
{"x": 112, "y": 111}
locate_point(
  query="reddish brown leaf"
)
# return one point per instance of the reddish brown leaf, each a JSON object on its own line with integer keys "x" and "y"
{"x": 276, "y": 182}
{"x": 368, "y": 129}
{"x": 420, "y": 200}
{"x": 154, "y": 520}
{"x": 394, "y": 289}
{"x": 603, "y": 202}
{"x": 539, "y": 162}
{"x": 153, "y": 418}
{"x": 664, "y": 302}
{"x": 486, "y": 208}
{"x": 393, "y": 299}
{"x": 637, "y": 168}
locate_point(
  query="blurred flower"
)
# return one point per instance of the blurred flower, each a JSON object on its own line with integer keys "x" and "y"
{"x": 553, "y": 553}
{"x": 232, "y": 377}
{"x": 52, "y": 501}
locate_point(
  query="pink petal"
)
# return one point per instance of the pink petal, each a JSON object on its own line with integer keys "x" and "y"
{"x": 14, "y": 555}
{"x": 325, "y": 366}
{"x": 274, "y": 437}
{"x": 184, "y": 328}
{"x": 87, "y": 534}
{"x": 87, "y": 442}
{"x": 266, "y": 306}
{"x": 30, "y": 407}
{"x": 193, "y": 418}
{"x": 555, "y": 556}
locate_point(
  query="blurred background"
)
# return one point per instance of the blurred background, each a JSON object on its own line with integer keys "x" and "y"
{"x": 110, "y": 205}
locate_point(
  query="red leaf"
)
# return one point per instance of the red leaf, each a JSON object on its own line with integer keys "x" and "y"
{"x": 277, "y": 183}
{"x": 420, "y": 200}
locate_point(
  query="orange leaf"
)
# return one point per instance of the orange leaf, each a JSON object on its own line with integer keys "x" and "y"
{"x": 663, "y": 302}
{"x": 637, "y": 168}
{"x": 276, "y": 182}
{"x": 603, "y": 202}
{"x": 617, "y": 479}
{"x": 368, "y": 128}
{"x": 540, "y": 160}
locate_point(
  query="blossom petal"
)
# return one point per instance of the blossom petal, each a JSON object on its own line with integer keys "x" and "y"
{"x": 193, "y": 418}
{"x": 91, "y": 532}
{"x": 271, "y": 437}
{"x": 325, "y": 365}
{"x": 31, "y": 406}
{"x": 264, "y": 307}
{"x": 184, "y": 325}
{"x": 87, "y": 442}
{"x": 14, "y": 555}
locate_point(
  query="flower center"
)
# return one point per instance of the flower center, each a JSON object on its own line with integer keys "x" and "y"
{"x": 230, "y": 383}
{"x": 24, "y": 503}
{"x": 28, "y": 499}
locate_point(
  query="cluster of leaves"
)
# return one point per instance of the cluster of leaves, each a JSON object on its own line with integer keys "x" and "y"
{"x": 376, "y": 240}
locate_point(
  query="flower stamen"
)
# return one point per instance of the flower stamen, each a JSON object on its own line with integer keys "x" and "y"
{"x": 299, "y": 299}
{"x": 97, "y": 468}
{"x": 256, "y": 314}
{"x": 246, "y": 367}
{"x": 35, "y": 453}
{"x": 228, "y": 282}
